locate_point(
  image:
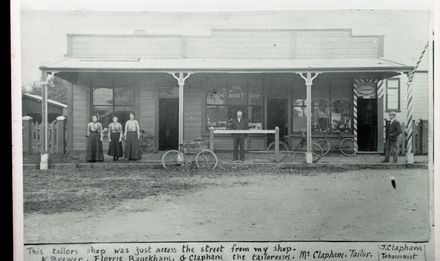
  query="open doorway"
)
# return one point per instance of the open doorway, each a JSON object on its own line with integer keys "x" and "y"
{"x": 277, "y": 117}
{"x": 168, "y": 123}
{"x": 367, "y": 124}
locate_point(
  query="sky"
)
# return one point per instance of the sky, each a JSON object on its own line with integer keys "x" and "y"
{"x": 221, "y": 5}
{"x": 37, "y": 28}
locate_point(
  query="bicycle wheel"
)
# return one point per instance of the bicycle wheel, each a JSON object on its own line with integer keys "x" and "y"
{"x": 172, "y": 159}
{"x": 284, "y": 147}
{"x": 317, "y": 152}
{"x": 148, "y": 145}
{"x": 206, "y": 159}
{"x": 348, "y": 147}
{"x": 325, "y": 145}
{"x": 284, "y": 150}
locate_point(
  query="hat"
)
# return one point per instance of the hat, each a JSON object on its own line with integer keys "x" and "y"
{"x": 392, "y": 112}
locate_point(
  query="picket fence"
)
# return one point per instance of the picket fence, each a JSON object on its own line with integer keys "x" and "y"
{"x": 33, "y": 136}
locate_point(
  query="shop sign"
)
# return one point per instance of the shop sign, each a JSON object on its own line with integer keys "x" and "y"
{"x": 367, "y": 90}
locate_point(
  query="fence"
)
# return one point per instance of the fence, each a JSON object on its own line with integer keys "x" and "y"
{"x": 420, "y": 138}
{"x": 33, "y": 136}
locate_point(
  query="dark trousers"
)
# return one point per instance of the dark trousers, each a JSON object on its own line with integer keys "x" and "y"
{"x": 391, "y": 149}
{"x": 239, "y": 142}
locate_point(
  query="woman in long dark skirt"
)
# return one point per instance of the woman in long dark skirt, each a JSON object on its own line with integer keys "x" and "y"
{"x": 132, "y": 135}
{"x": 94, "y": 141}
{"x": 115, "y": 139}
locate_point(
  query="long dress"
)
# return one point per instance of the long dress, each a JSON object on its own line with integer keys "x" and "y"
{"x": 132, "y": 132}
{"x": 94, "y": 145}
{"x": 115, "y": 146}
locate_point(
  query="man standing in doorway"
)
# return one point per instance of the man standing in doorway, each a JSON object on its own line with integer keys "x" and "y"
{"x": 239, "y": 123}
{"x": 393, "y": 131}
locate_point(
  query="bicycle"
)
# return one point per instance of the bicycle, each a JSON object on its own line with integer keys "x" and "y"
{"x": 300, "y": 148}
{"x": 148, "y": 143}
{"x": 205, "y": 158}
{"x": 347, "y": 146}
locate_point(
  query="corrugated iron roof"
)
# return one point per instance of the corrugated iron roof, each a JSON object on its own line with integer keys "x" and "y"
{"x": 39, "y": 98}
{"x": 218, "y": 65}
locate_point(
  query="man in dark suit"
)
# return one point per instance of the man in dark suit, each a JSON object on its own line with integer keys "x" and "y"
{"x": 239, "y": 123}
{"x": 392, "y": 132}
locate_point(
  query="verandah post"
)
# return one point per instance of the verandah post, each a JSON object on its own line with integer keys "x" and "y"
{"x": 180, "y": 77}
{"x": 409, "y": 111}
{"x": 309, "y": 82}
{"x": 355, "y": 97}
{"x": 409, "y": 129}
{"x": 44, "y": 159}
{"x": 45, "y": 128}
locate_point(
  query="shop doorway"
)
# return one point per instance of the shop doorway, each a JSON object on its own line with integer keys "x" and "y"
{"x": 367, "y": 124}
{"x": 277, "y": 116}
{"x": 168, "y": 123}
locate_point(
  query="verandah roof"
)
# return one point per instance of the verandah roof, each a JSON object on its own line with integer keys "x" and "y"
{"x": 226, "y": 65}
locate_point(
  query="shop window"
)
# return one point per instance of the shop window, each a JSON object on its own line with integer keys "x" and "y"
{"x": 223, "y": 102}
{"x": 110, "y": 100}
{"x": 331, "y": 107}
{"x": 393, "y": 95}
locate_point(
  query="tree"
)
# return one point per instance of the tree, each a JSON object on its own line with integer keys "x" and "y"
{"x": 56, "y": 91}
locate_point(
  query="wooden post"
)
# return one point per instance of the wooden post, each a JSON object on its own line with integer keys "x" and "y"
{"x": 181, "y": 85}
{"x": 60, "y": 130}
{"x": 44, "y": 120}
{"x": 211, "y": 139}
{"x": 309, "y": 157}
{"x": 180, "y": 77}
{"x": 403, "y": 143}
{"x": 44, "y": 160}
{"x": 277, "y": 142}
{"x": 27, "y": 134}
{"x": 34, "y": 138}
{"x": 413, "y": 123}
{"x": 409, "y": 125}
{"x": 52, "y": 137}
{"x": 309, "y": 81}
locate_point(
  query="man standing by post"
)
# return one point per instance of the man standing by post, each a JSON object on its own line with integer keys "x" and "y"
{"x": 239, "y": 123}
{"x": 393, "y": 131}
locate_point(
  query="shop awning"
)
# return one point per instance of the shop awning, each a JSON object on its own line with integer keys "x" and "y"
{"x": 226, "y": 65}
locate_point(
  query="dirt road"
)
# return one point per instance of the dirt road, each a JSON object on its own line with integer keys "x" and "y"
{"x": 352, "y": 205}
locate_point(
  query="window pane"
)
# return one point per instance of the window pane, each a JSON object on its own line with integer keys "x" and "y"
{"x": 299, "y": 119}
{"x": 299, "y": 94}
{"x": 102, "y": 96}
{"x": 341, "y": 115}
{"x": 320, "y": 116}
{"x": 341, "y": 89}
{"x": 123, "y": 113}
{"x": 393, "y": 83}
{"x": 393, "y": 99}
{"x": 124, "y": 96}
{"x": 256, "y": 95}
{"x": 104, "y": 113}
{"x": 255, "y": 119}
{"x": 321, "y": 90}
{"x": 342, "y": 107}
{"x": 217, "y": 117}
